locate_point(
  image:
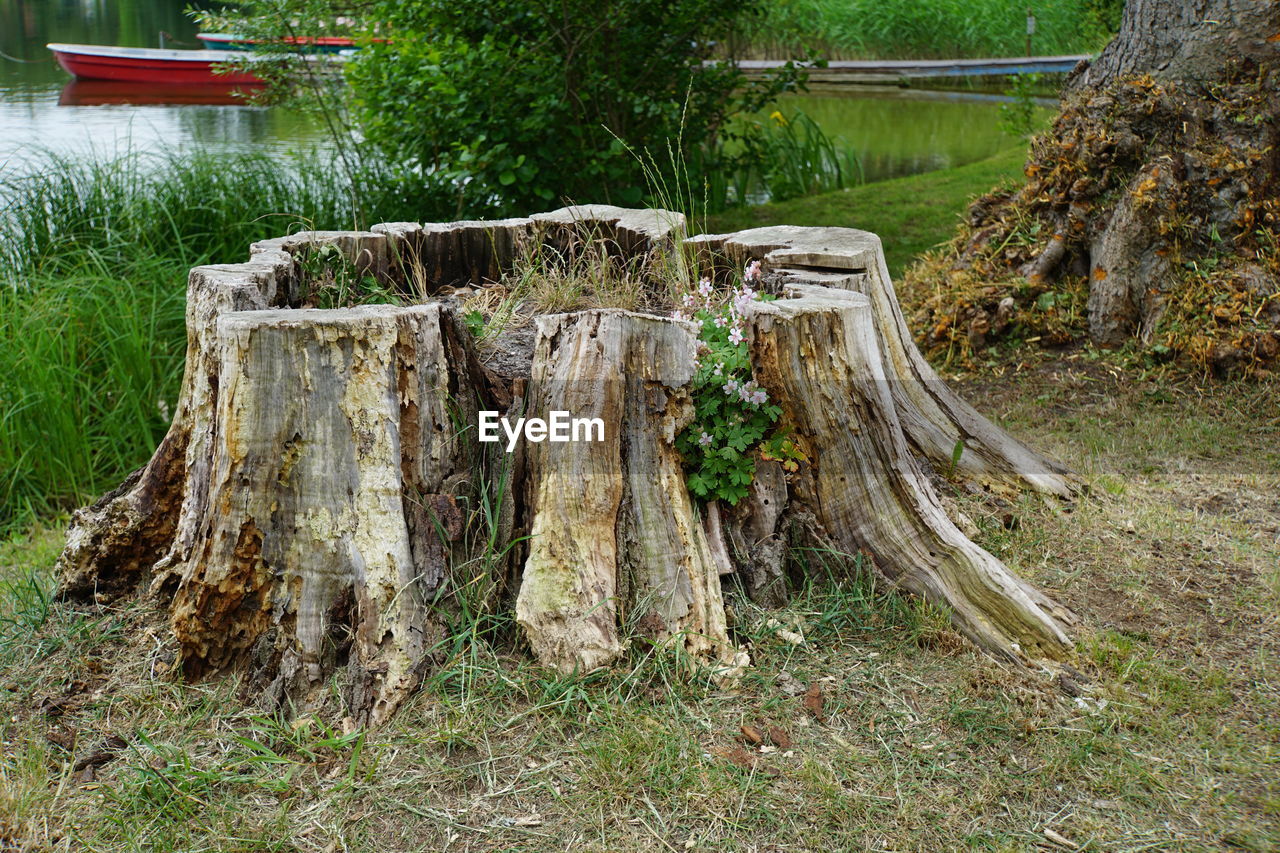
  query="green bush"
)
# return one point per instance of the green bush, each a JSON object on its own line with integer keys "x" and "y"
{"x": 527, "y": 104}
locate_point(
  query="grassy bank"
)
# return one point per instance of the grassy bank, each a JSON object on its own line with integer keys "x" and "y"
{"x": 93, "y": 266}
{"x": 947, "y": 29}
{"x": 1173, "y": 744}
{"x": 910, "y": 214}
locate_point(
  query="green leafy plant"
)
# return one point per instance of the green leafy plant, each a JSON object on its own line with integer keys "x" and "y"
{"x": 331, "y": 280}
{"x": 1018, "y": 117}
{"x": 734, "y": 423}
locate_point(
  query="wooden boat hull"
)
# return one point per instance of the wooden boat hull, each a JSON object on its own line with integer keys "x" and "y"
{"x": 147, "y": 65}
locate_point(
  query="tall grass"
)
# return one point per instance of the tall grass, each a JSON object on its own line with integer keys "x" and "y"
{"x": 93, "y": 265}
{"x": 915, "y": 29}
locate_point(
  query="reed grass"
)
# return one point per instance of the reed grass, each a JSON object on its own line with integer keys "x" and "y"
{"x": 909, "y": 29}
{"x": 93, "y": 264}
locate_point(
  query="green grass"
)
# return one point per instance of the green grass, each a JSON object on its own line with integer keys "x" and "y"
{"x": 950, "y": 29}
{"x": 910, "y": 214}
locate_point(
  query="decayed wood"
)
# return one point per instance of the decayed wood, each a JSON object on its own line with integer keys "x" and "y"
{"x": 760, "y": 536}
{"x": 613, "y": 534}
{"x": 636, "y": 233}
{"x": 819, "y": 359}
{"x": 934, "y": 417}
{"x": 333, "y": 429}
{"x": 116, "y": 543}
{"x": 306, "y": 511}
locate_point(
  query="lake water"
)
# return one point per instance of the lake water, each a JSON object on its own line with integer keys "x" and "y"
{"x": 894, "y": 131}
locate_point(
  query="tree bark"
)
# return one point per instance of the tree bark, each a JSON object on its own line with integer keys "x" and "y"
{"x": 333, "y": 431}
{"x": 614, "y": 537}
{"x": 863, "y": 485}
{"x": 935, "y": 418}
{"x": 1190, "y": 40}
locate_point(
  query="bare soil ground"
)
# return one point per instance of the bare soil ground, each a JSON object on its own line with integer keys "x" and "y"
{"x": 865, "y": 723}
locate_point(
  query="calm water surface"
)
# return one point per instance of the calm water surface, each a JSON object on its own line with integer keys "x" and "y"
{"x": 42, "y": 110}
{"x": 895, "y": 132}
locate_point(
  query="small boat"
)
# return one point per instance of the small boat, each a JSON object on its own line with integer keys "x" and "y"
{"x": 150, "y": 65}
{"x": 310, "y": 44}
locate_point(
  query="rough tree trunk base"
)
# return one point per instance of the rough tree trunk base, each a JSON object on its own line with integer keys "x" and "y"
{"x": 322, "y": 502}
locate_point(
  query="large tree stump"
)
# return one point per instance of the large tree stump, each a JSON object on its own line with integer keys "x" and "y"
{"x": 324, "y": 503}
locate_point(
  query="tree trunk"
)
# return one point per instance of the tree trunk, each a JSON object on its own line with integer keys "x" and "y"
{"x": 936, "y": 419}
{"x": 863, "y": 485}
{"x": 1154, "y": 194}
{"x": 1186, "y": 40}
{"x": 325, "y": 506}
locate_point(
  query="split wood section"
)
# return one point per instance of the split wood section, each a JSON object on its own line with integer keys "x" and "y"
{"x": 321, "y": 506}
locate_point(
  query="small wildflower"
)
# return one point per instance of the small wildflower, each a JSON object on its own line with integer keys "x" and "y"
{"x": 730, "y": 387}
{"x": 736, "y": 337}
{"x": 719, "y": 369}
{"x": 704, "y": 439}
{"x": 687, "y": 299}
{"x": 752, "y": 272}
{"x": 721, "y": 322}
{"x": 704, "y": 287}
{"x": 759, "y": 397}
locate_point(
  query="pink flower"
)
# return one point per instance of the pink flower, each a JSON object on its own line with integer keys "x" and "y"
{"x": 736, "y": 337}
{"x": 752, "y": 272}
{"x": 704, "y": 287}
{"x": 704, "y": 439}
{"x": 718, "y": 370}
{"x": 721, "y": 322}
{"x": 759, "y": 397}
{"x": 687, "y": 299}
{"x": 730, "y": 386}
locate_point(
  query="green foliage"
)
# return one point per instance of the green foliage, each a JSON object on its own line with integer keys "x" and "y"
{"x": 909, "y": 29}
{"x": 778, "y": 158}
{"x": 331, "y": 280}
{"x": 733, "y": 421}
{"x": 1018, "y": 117}
{"x": 520, "y": 105}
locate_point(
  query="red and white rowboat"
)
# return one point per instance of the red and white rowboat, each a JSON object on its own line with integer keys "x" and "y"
{"x": 150, "y": 65}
